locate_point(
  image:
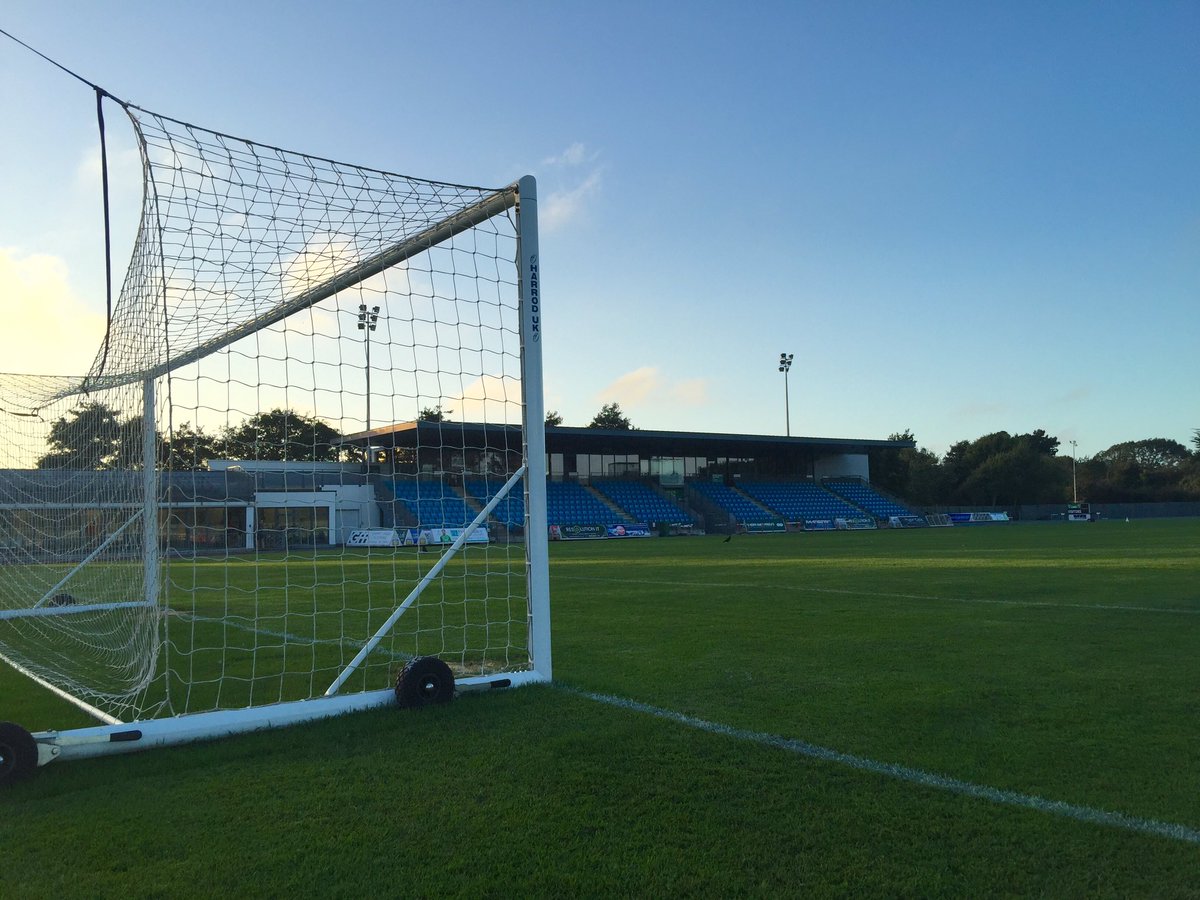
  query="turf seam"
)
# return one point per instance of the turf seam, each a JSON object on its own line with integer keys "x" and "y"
{"x": 1087, "y": 814}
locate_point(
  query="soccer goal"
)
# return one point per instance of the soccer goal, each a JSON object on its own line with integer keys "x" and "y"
{"x": 305, "y": 472}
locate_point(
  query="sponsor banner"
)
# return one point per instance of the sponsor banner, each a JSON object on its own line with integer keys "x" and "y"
{"x": 819, "y": 525}
{"x": 856, "y": 524}
{"x": 907, "y": 522}
{"x": 762, "y": 527}
{"x": 624, "y": 531}
{"x": 431, "y": 537}
{"x": 375, "y": 537}
{"x": 576, "y": 532}
{"x": 592, "y": 532}
{"x": 976, "y": 518}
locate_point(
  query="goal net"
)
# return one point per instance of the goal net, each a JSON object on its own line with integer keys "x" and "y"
{"x": 309, "y": 450}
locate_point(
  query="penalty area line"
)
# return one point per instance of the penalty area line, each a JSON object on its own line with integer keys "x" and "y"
{"x": 1088, "y": 814}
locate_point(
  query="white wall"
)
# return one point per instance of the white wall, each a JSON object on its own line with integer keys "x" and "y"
{"x": 356, "y": 508}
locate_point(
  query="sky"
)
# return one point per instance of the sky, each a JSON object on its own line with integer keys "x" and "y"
{"x": 960, "y": 218}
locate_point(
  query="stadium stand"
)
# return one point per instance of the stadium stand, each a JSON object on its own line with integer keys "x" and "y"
{"x": 799, "y": 500}
{"x": 433, "y": 503}
{"x": 642, "y": 503}
{"x": 863, "y": 495}
{"x": 509, "y": 512}
{"x": 741, "y": 507}
{"x": 568, "y": 503}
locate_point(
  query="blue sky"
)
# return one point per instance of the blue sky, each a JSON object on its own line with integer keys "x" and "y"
{"x": 960, "y": 218}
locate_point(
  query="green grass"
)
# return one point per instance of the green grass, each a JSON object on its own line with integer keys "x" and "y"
{"x": 1057, "y": 661}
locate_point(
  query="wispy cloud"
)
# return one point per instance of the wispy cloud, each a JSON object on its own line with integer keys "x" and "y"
{"x": 564, "y": 206}
{"x": 574, "y": 155}
{"x": 647, "y": 384}
{"x": 576, "y": 176}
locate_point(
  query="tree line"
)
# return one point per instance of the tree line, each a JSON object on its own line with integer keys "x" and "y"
{"x": 1002, "y": 469}
{"x": 95, "y": 436}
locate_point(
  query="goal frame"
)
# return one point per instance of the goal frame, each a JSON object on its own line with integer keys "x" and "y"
{"x": 116, "y": 736}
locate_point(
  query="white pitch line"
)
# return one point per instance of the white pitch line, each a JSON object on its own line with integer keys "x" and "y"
{"x": 1088, "y": 814}
{"x": 743, "y": 585}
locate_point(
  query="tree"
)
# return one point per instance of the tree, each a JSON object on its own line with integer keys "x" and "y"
{"x": 1154, "y": 453}
{"x": 435, "y": 414}
{"x": 1196, "y": 439}
{"x": 553, "y": 418}
{"x": 926, "y": 478}
{"x": 1001, "y": 468}
{"x": 1041, "y": 442}
{"x": 610, "y": 416}
{"x": 1155, "y": 469}
{"x": 1020, "y": 474}
{"x": 282, "y": 434}
{"x": 94, "y": 436}
{"x": 190, "y": 449}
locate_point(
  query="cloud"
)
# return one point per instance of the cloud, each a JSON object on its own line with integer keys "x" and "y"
{"x": 574, "y": 155}
{"x": 47, "y": 329}
{"x": 565, "y": 206}
{"x": 567, "y": 201}
{"x": 632, "y": 387}
{"x": 490, "y": 398}
{"x": 648, "y": 384}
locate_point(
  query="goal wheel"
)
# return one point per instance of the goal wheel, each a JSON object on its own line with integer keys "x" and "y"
{"x": 18, "y": 753}
{"x": 425, "y": 680}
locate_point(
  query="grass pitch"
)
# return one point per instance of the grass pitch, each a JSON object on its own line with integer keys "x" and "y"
{"x": 1054, "y": 662}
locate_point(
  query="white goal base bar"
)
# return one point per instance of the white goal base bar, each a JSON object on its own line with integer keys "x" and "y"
{"x": 102, "y": 740}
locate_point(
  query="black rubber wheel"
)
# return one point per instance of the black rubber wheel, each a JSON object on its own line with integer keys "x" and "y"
{"x": 18, "y": 753}
{"x": 424, "y": 681}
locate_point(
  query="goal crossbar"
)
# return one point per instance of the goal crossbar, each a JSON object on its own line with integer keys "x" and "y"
{"x": 467, "y": 218}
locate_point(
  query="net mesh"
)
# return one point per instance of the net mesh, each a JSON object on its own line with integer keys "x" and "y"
{"x": 188, "y": 526}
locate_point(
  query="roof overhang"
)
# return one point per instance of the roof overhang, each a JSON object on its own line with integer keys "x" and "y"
{"x": 629, "y": 442}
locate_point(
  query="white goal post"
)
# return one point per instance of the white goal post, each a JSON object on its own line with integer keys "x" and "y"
{"x": 304, "y": 354}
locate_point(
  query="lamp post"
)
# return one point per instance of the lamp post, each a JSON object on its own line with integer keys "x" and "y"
{"x": 785, "y": 363}
{"x": 1074, "y": 483}
{"x": 368, "y": 319}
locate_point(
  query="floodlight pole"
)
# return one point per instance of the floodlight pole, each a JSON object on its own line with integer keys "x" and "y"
{"x": 1074, "y": 483}
{"x": 367, "y": 322}
{"x": 785, "y": 363}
